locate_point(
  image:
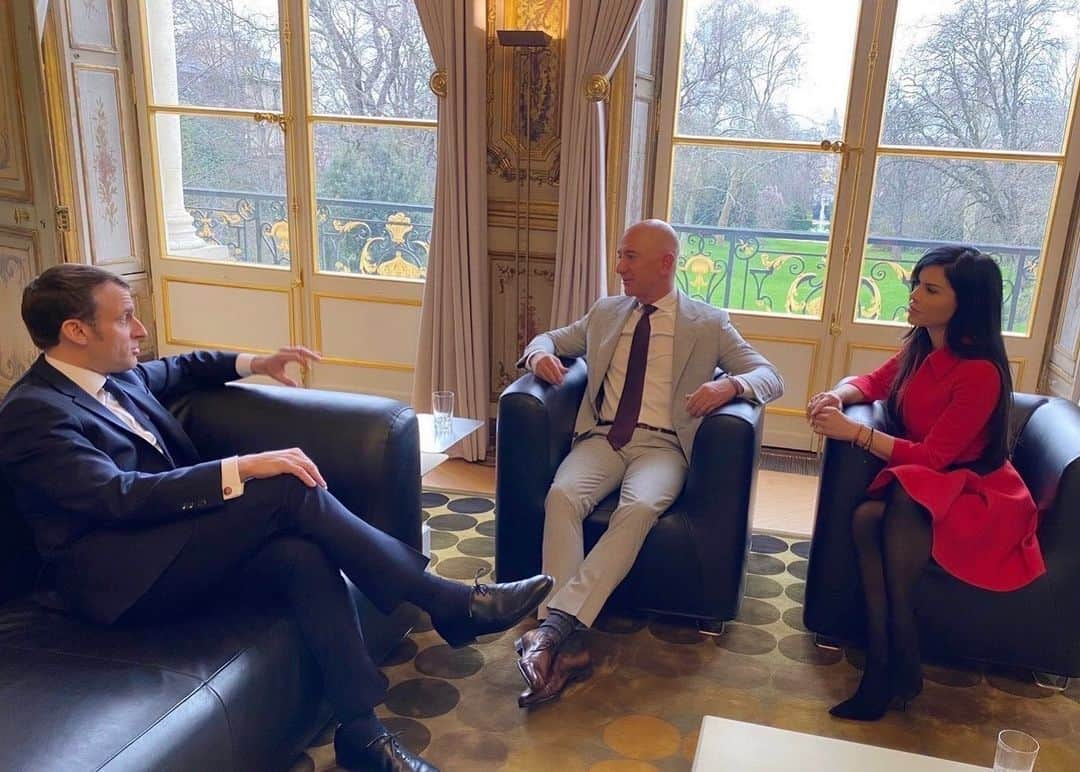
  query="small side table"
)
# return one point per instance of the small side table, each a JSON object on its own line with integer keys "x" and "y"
{"x": 433, "y": 445}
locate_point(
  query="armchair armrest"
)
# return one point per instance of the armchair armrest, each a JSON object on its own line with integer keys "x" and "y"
{"x": 832, "y": 585}
{"x": 1047, "y": 456}
{"x": 367, "y": 448}
{"x": 533, "y": 435}
{"x": 718, "y": 495}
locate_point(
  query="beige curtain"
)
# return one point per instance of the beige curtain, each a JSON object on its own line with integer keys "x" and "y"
{"x": 453, "y": 323}
{"x": 595, "y": 39}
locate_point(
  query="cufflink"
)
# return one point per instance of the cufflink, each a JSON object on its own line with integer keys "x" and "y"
{"x": 227, "y": 490}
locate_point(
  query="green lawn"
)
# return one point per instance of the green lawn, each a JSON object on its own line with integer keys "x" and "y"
{"x": 785, "y": 275}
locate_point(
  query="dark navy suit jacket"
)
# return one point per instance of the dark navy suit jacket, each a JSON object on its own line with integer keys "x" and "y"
{"x": 108, "y": 510}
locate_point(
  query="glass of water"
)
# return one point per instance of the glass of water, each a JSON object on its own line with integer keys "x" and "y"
{"x": 1016, "y": 751}
{"x": 442, "y": 407}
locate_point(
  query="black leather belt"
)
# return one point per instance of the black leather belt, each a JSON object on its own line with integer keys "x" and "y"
{"x": 642, "y": 426}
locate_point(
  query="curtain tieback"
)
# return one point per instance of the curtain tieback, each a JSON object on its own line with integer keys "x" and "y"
{"x": 437, "y": 83}
{"x": 597, "y": 88}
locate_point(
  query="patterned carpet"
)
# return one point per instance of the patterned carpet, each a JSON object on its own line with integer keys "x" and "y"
{"x": 655, "y": 678}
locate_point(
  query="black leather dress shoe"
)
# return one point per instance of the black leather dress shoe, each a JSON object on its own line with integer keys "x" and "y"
{"x": 494, "y": 608}
{"x": 383, "y": 754}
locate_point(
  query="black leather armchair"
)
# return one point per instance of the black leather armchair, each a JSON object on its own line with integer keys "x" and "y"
{"x": 233, "y": 688}
{"x": 693, "y": 559}
{"x": 1036, "y": 627}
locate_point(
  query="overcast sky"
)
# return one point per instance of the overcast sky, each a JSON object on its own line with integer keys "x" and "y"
{"x": 827, "y": 55}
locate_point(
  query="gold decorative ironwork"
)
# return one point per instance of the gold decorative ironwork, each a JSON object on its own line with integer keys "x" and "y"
{"x": 597, "y": 88}
{"x": 699, "y": 268}
{"x": 437, "y": 83}
{"x": 394, "y": 261}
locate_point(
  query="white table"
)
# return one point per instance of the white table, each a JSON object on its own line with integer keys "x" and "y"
{"x": 434, "y": 444}
{"x": 736, "y": 746}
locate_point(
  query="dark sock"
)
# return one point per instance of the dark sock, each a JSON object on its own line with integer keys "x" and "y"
{"x": 440, "y": 597}
{"x": 363, "y": 729}
{"x": 561, "y": 624}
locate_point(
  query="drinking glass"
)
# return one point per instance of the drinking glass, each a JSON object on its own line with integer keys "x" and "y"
{"x": 1016, "y": 751}
{"x": 442, "y": 407}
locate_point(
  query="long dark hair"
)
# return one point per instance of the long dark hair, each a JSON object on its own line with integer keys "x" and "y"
{"x": 973, "y": 332}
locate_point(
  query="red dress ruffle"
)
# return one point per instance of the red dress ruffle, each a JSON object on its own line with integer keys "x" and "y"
{"x": 983, "y": 525}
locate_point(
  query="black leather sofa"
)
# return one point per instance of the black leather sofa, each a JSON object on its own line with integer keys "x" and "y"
{"x": 693, "y": 558}
{"x": 233, "y": 688}
{"x": 1036, "y": 627}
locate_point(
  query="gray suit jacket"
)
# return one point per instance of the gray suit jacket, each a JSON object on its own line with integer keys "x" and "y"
{"x": 704, "y": 340}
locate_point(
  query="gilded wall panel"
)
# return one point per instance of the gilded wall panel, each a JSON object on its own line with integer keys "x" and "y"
{"x": 14, "y": 169}
{"x": 18, "y": 265}
{"x": 514, "y": 109}
{"x": 511, "y": 330}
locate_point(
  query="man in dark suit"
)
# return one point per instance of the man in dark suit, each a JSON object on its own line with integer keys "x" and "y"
{"x": 136, "y": 524}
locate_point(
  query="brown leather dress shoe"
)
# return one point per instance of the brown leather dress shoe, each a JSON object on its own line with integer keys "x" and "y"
{"x": 536, "y": 651}
{"x": 573, "y": 663}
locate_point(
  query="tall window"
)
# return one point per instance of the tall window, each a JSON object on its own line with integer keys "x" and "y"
{"x": 760, "y": 84}
{"x": 225, "y": 94}
{"x": 972, "y": 142}
{"x": 973, "y": 124}
{"x": 373, "y": 136}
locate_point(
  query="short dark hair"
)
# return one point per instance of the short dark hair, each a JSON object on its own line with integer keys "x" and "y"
{"x": 60, "y": 293}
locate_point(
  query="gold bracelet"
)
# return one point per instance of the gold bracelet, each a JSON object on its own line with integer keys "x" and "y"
{"x": 855, "y": 441}
{"x": 870, "y": 441}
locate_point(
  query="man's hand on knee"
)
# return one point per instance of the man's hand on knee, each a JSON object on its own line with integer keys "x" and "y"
{"x": 259, "y": 466}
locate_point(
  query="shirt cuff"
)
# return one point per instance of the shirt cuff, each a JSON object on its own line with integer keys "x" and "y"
{"x": 243, "y": 364}
{"x": 747, "y": 390}
{"x": 232, "y": 486}
{"x": 532, "y": 358}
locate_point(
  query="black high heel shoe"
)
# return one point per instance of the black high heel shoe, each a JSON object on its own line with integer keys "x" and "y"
{"x": 871, "y": 700}
{"x": 905, "y": 687}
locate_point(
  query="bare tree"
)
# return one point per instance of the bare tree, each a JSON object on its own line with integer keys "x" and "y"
{"x": 990, "y": 74}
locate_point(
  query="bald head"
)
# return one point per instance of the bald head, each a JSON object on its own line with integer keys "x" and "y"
{"x": 648, "y": 252}
{"x": 659, "y": 235}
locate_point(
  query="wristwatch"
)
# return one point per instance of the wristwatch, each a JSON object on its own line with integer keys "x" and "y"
{"x": 736, "y": 383}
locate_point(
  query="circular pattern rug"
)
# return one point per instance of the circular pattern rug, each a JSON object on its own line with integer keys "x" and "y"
{"x": 656, "y": 677}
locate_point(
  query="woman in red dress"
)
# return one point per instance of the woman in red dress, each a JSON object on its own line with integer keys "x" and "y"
{"x": 948, "y": 489}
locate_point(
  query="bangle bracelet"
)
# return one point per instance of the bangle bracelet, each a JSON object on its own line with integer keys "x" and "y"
{"x": 870, "y": 441}
{"x": 856, "y": 442}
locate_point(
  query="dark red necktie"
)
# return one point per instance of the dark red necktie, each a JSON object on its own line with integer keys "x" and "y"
{"x": 626, "y": 416}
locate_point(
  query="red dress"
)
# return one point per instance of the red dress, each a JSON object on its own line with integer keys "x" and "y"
{"x": 984, "y": 525}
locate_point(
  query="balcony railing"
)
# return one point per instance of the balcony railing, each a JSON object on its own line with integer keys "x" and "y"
{"x": 379, "y": 238}
{"x": 747, "y": 269}
{"x": 783, "y": 272}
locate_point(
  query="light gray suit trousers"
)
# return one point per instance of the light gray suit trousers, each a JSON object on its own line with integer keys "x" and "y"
{"x": 651, "y": 467}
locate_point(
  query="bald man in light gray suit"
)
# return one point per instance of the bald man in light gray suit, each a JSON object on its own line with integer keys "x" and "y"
{"x": 652, "y": 354}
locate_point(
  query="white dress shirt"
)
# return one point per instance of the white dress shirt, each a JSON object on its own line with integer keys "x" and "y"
{"x": 93, "y": 383}
{"x": 656, "y": 395}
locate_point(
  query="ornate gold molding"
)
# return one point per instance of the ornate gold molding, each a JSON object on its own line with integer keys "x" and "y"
{"x": 437, "y": 83}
